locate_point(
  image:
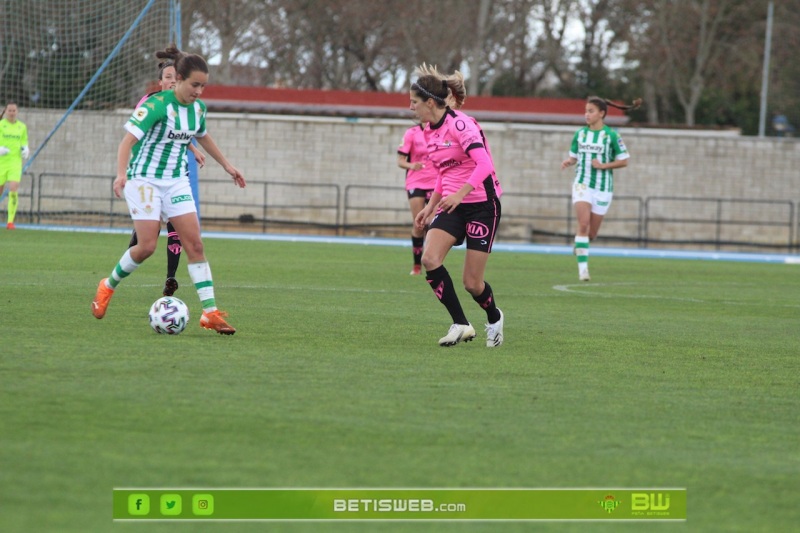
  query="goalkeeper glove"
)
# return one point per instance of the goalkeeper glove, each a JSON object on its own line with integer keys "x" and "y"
{"x": 25, "y": 152}
{"x": 4, "y": 150}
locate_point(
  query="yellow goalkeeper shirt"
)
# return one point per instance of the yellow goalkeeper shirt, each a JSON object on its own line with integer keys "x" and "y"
{"x": 13, "y": 136}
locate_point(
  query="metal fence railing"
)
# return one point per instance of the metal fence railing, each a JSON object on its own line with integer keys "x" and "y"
{"x": 373, "y": 208}
{"x": 719, "y": 223}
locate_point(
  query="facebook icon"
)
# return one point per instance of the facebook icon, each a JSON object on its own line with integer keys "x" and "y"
{"x": 138, "y": 504}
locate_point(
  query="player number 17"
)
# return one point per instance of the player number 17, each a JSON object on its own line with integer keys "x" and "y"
{"x": 146, "y": 191}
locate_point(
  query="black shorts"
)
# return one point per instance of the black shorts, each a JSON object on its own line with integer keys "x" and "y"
{"x": 477, "y": 223}
{"x": 420, "y": 193}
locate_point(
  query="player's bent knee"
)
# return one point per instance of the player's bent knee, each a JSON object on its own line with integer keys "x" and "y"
{"x": 430, "y": 263}
{"x": 194, "y": 251}
{"x": 141, "y": 252}
{"x": 474, "y": 287}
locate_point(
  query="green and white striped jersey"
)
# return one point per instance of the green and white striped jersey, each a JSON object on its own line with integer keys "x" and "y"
{"x": 164, "y": 127}
{"x": 604, "y": 144}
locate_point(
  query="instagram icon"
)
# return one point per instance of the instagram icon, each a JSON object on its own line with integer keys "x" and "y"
{"x": 203, "y": 504}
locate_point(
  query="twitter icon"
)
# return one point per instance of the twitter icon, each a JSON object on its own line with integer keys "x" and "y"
{"x": 171, "y": 504}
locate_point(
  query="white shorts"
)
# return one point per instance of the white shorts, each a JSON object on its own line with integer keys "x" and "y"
{"x": 600, "y": 201}
{"x": 154, "y": 199}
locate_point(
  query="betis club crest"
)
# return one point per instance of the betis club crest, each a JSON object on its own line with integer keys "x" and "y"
{"x": 609, "y": 503}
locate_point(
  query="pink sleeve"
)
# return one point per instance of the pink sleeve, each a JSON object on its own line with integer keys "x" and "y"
{"x": 483, "y": 166}
{"x": 408, "y": 142}
{"x": 438, "y": 187}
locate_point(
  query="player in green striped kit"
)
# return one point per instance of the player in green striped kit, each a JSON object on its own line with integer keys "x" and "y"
{"x": 596, "y": 152}
{"x": 13, "y": 149}
{"x": 151, "y": 173}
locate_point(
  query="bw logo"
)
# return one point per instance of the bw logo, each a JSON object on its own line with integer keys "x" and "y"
{"x": 653, "y": 501}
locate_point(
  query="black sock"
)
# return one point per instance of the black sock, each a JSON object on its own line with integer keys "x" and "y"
{"x": 416, "y": 247}
{"x": 134, "y": 240}
{"x": 173, "y": 250}
{"x": 486, "y": 300}
{"x": 442, "y": 285}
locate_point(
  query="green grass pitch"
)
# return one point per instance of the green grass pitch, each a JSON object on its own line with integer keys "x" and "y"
{"x": 658, "y": 373}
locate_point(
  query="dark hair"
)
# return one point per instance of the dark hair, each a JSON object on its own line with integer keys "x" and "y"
{"x": 3, "y": 112}
{"x": 602, "y": 104}
{"x": 163, "y": 66}
{"x": 184, "y": 63}
{"x": 455, "y": 82}
{"x": 431, "y": 87}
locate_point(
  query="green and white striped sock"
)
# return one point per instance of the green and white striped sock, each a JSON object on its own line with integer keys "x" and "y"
{"x": 124, "y": 268}
{"x": 582, "y": 254}
{"x": 201, "y": 277}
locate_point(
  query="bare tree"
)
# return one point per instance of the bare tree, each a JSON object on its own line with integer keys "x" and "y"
{"x": 440, "y": 33}
{"x": 677, "y": 53}
{"x": 522, "y": 45}
{"x": 230, "y": 31}
{"x": 478, "y": 53}
{"x": 552, "y": 42}
{"x": 784, "y": 88}
{"x": 692, "y": 34}
{"x": 608, "y": 27}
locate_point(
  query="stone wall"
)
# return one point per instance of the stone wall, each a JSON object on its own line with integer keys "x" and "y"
{"x": 350, "y": 151}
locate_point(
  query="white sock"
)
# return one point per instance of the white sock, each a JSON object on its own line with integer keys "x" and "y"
{"x": 124, "y": 268}
{"x": 201, "y": 277}
{"x": 582, "y": 254}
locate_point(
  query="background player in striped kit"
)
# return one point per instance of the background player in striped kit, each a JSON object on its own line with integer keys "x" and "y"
{"x": 596, "y": 150}
{"x": 13, "y": 149}
{"x": 151, "y": 173}
{"x": 166, "y": 81}
{"x": 466, "y": 204}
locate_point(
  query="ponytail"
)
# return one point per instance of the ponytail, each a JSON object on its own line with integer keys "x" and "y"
{"x": 454, "y": 83}
{"x": 633, "y": 105}
{"x": 184, "y": 63}
{"x": 602, "y": 104}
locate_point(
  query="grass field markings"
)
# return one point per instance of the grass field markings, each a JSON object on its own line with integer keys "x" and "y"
{"x": 245, "y": 287}
{"x": 570, "y": 288}
{"x": 323, "y": 289}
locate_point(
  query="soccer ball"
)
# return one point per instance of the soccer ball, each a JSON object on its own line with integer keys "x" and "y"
{"x": 169, "y": 315}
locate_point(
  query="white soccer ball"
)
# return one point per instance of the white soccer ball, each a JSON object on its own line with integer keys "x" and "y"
{"x": 169, "y": 315}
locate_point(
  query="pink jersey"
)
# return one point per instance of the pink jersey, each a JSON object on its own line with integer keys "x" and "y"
{"x": 145, "y": 97}
{"x": 485, "y": 141}
{"x": 457, "y": 147}
{"x": 415, "y": 150}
